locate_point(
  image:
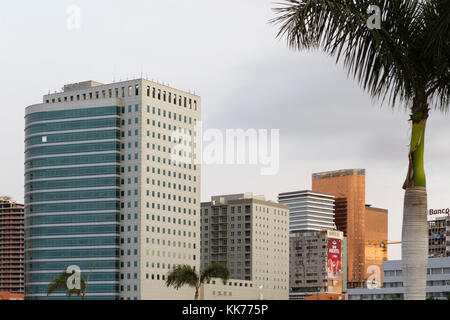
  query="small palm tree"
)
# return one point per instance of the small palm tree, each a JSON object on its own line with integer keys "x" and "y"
{"x": 185, "y": 275}
{"x": 61, "y": 283}
{"x": 405, "y": 59}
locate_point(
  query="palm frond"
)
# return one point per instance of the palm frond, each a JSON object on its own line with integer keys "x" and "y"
{"x": 390, "y": 62}
{"x": 215, "y": 270}
{"x": 182, "y": 275}
{"x": 59, "y": 283}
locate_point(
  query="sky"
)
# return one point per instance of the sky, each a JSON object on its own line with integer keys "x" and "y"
{"x": 227, "y": 52}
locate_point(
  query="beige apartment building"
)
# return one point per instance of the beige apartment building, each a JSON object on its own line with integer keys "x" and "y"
{"x": 113, "y": 186}
{"x": 251, "y": 236}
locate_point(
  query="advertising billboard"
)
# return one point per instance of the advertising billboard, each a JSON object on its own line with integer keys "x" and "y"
{"x": 334, "y": 265}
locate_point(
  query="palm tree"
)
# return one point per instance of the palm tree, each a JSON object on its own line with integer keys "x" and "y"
{"x": 405, "y": 61}
{"x": 186, "y": 275}
{"x": 61, "y": 283}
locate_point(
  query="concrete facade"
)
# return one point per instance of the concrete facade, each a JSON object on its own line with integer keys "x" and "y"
{"x": 232, "y": 290}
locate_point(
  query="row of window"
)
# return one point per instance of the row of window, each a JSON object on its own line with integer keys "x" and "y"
{"x": 113, "y": 122}
{"x": 129, "y": 91}
{"x": 113, "y": 157}
{"x": 73, "y": 113}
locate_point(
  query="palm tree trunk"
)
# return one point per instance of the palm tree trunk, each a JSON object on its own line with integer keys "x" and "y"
{"x": 415, "y": 243}
{"x": 415, "y": 225}
{"x": 197, "y": 287}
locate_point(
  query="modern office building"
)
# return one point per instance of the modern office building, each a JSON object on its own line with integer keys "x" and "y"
{"x": 112, "y": 186}
{"x": 309, "y": 210}
{"x": 438, "y": 229}
{"x": 438, "y": 282}
{"x": 11, "y": 246}
{"x": 316, "y": 263}
{"x": 364, "y": 226}
{"x": 251, "y": 236}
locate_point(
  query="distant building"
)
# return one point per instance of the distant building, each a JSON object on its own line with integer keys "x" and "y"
{"x": 12, "y": 245}
{"x": 251, "y": 236}
{"x": 438, "y": 229}
{"x": 316, "y": 263}
{"x": 364, "y": 226}
{"x": 309, "y": 210}
{"x": 438, "y": 282}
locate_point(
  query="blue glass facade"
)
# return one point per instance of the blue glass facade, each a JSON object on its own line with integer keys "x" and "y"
{"x": 72, "y": 200}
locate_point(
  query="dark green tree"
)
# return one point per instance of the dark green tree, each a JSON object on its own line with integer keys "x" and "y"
{"x": 185, "y": 275}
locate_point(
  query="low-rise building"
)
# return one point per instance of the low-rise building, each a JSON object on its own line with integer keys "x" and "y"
{"x": 438, "y": 282}
{"x": 233, "y": 290}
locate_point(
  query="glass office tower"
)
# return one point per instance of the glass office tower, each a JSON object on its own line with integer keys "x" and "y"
{"x": 72, "y": 162}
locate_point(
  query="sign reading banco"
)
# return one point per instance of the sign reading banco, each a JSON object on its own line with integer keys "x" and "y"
{"x": 432, "y": 212}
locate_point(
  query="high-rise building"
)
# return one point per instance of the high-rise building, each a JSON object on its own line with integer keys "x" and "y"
{"x": 309, "y": 210}
{"x": 251, "y": 236}
{"x": 316, "y": 263}
{"x": 109, "y": 188}
{"x": 11, "y": 246}
{"x": 364, "y": 227}
{"x": 437, "y": 237}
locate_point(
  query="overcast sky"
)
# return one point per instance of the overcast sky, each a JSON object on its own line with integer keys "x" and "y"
{"x": 227, "y": 53}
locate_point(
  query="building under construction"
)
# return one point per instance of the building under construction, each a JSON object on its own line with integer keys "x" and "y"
{"x": 11, "y": 246}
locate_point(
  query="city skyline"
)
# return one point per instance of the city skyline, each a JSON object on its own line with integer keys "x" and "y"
{"x": 229, "y": 73}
